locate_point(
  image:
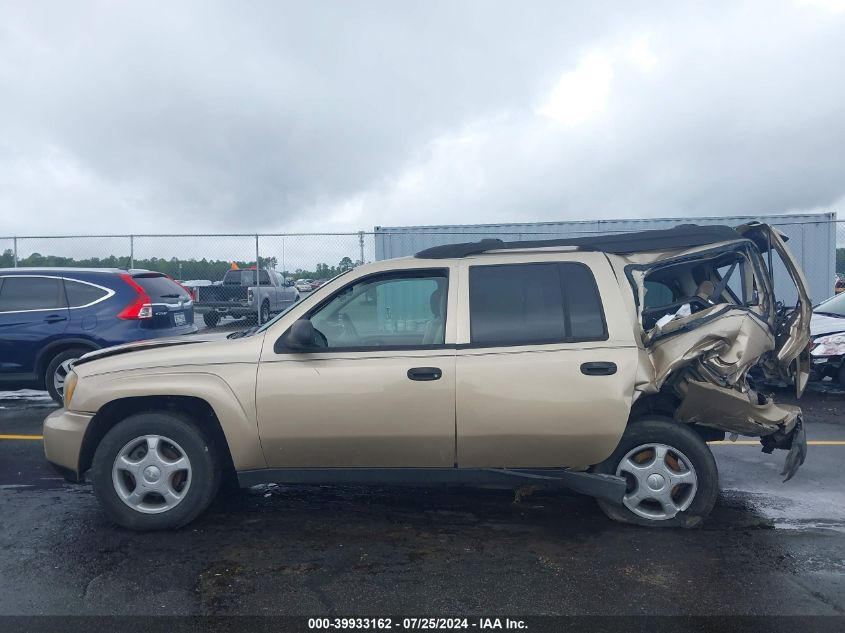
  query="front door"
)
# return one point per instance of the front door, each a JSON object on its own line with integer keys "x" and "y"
{"x": 378, "y": 391}
{"x": 546, "y": 375}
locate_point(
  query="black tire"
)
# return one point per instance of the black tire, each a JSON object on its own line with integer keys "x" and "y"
{"x": 677, "y": 437}
{"x": 204, "y": 460}
{"x": 55, "y": 366}
{"x": 265, "y": 312}
{"x": 842, "y": 375}
{"x": 210, "y": 318}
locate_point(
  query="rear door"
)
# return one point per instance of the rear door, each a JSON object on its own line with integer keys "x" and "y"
{"x": 793, "y": 331}
{"x": 289, "y": 293}
{"x": 33, "y": 313}
{"x": 545, "y": 364}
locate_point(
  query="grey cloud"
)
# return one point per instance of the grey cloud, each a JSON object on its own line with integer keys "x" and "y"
{"x": 217, "y": 117}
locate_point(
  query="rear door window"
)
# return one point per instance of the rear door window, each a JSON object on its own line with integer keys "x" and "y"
{"x": 31, "y": 293}
{"x": 522, "y": 304}
{"x": 81, "y": 294}
{"x": 582, "y": 303}
{"x": 160, "y": 288}
{"x": 246, "y": 277}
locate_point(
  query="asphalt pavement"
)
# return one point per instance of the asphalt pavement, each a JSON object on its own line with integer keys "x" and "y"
{"x": 768, "y": 549}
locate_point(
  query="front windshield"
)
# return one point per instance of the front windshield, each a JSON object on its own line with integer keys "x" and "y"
{"x": 834, "y": 305}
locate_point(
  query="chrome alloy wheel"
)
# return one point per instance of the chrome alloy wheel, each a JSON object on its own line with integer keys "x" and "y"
{"x": 60, "y": 375}
{"x": 661, "y": 481}
{"x": 151, "y": 474}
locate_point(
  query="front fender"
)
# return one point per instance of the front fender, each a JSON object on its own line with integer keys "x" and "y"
{"x": 231, "y": 395}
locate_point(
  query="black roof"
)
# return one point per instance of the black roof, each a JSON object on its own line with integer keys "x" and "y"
{"x": 683, "y": 236}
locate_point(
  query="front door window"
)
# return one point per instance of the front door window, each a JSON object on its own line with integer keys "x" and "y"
{"x": 398, "y": 309}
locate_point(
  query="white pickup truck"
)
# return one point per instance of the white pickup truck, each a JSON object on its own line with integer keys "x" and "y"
{"x": 239, "y": 296}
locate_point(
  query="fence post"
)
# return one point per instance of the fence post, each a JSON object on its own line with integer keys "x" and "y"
{"x": 257, "y": 283}
{"x": 15, "y": 245}
{"x": 361, "y": 244}
{"x": 131, "y": 252}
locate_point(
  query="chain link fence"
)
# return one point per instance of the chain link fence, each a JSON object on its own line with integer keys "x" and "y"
{"x": 201, "y": 260}
{"x": 194, "y": 257}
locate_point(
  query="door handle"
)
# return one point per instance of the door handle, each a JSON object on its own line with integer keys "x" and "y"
{"x": 425, "y": 373}
{"x": 598, "y": 368}
{"x": 54, "y": 318}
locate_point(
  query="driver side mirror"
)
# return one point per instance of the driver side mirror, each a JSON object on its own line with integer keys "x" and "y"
{"x": 300, "y": 336}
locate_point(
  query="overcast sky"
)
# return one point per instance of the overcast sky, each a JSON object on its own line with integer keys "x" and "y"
{"x": 207, "y": 116}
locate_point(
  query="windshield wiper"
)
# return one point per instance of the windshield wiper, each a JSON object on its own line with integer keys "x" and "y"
{"x": 833, "y": 314}
{"x": 243, "y": 333}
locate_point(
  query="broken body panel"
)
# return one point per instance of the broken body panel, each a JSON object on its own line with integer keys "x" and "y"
{"x": 707, "y": 315}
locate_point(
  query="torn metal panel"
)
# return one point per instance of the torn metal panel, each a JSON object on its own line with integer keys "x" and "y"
{"x": 747, "y": 413}
{"x": 705, "y": 316}
{"x": 793, "y": 326}
{"x": 729, "y": 341}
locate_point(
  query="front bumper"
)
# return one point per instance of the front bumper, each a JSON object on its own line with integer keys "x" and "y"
{"x": 63, "y": 433}
{"x": 822, "y": 366}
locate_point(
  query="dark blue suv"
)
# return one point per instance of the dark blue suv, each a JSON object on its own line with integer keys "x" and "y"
{"x": 51, "y": 316}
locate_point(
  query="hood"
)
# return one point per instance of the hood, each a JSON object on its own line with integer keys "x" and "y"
{"x": 822, "y": 324}
{"x": 150, "y": 344}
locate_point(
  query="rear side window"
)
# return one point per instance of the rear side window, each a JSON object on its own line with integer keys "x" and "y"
{"x": 657, "y": 294}
{"x": 81, "y": 294}
{"x": 246, "y": 277}
{"x": 520, "y": 304}
{"x": 582, "y": 303}
{"x": 160, "y": 288}
{"x": 31, "y": 293}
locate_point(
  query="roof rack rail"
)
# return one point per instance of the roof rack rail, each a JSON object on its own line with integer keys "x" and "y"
{"x": 681, "y": 236}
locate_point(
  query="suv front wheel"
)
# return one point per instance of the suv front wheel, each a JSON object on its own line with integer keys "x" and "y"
{"x": 671, "y": 475}
{"x": 155, "y": 471}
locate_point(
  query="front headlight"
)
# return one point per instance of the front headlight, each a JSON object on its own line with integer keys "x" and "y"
{"x": 70, "y": 386}
{"x": 830, "y": 345}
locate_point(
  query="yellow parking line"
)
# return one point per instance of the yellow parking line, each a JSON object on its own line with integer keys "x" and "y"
{"x": 810, "y": 442}
{"x": 21, "y": 437}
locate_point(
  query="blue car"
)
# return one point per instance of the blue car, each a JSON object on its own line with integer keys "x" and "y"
{"x": 49, "y": 317}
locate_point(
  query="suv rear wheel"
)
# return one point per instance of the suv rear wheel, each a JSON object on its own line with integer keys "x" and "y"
{"x": 671, "y": 475}
{"x": 211, "y": 319}
{"x": 155, "y": 471}
{"x": 57, "y": 369}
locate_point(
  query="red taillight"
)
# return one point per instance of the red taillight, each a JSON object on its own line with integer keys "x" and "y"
{"x": 192, "y": 292}
{"x": 141, "y": 307}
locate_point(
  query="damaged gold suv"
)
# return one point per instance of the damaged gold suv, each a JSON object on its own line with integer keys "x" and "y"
{"x": 598, "y": 364}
